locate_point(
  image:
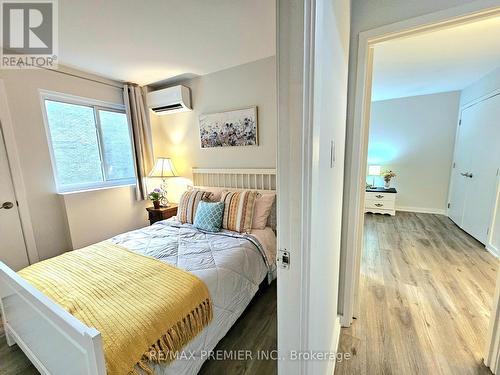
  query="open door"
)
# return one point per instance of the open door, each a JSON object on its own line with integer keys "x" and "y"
{"x": 290, "y": 286}
{"x": 313, "y": 45}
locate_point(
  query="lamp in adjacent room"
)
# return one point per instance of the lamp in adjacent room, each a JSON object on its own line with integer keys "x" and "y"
{"x": 374, "y": 170}
{"x": 163, "y": 168}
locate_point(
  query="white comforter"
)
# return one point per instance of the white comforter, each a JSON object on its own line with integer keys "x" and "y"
{"x": 231, "y": 265}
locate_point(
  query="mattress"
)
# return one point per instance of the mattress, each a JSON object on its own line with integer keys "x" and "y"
{"x": 232, "y": 265}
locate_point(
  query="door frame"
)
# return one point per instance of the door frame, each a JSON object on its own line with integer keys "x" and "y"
{"x": 7, "y": 128}
{"x": 353, "y": 243}
{"x": 295, "y": 20}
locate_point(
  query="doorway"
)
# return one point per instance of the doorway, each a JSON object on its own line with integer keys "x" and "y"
{"x": 393, "y": 232}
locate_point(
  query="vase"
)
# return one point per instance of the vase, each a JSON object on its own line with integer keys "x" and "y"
{"x": 156, "y": 204}
{"x": 387, "y": 184}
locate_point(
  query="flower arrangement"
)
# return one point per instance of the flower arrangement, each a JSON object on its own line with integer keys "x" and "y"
{"x": 388, "y": 175}
{"x": 155, "y": 196}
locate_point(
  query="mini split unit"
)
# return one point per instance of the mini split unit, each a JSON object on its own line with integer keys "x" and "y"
{"x": 170, "y": 100}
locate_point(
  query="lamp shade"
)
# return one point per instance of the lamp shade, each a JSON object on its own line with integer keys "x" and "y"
{"x": 374, "y": 170}
{"x": 163, "y": 168}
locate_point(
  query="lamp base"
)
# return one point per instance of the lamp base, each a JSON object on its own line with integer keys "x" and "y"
{"x": 163, "y": 199}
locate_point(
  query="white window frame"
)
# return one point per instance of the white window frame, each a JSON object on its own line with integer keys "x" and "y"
{"x": 96, "y": 105}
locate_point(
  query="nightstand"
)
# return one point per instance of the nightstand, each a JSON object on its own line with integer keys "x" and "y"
{"x": 381, "y": 201}
{"x": 161, "y": 213}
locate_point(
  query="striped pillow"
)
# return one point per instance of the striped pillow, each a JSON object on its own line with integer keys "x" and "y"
{"x": 238, "y": 210}
{"x": 186, "y": 211}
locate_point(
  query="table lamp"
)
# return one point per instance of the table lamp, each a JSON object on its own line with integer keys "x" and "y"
{"x": 163, "y": 168}
{"x": 374, "y": 170}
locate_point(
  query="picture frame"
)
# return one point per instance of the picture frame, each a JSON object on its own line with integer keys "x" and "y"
{"x": 232, "y": 128}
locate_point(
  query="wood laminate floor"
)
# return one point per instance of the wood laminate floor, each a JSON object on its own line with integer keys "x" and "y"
{"x": 255, "y": 330}
{"x": 426, "y": 291}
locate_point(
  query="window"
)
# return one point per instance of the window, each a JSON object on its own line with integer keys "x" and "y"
{"x": 90, "y": 143}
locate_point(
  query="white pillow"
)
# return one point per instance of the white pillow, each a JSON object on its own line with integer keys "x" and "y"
{"x": 262, "y": 209}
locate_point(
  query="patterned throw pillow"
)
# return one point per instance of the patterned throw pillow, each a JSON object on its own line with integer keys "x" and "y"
{"x": 188, "y": 204}
{"x": 209, "y": 216}
{"x": 238, "y": 210}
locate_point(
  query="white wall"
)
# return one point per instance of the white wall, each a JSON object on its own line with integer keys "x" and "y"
{"x": 177, "y": 135}
{"x": 485, "y": 86}
{"x": 97, "y": 215}
{"x": 329, "y": 113}
{"x": 415, "y": 138}
{"x": 49, "y": 212}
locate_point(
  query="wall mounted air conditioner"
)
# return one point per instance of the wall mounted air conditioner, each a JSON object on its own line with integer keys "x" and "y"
{"x": 170, "y": 100}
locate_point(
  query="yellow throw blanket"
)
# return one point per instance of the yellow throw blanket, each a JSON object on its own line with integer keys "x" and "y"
{"x": 139, "y": 304}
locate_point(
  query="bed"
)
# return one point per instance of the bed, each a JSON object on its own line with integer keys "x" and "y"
{"x": 232, "y": 266}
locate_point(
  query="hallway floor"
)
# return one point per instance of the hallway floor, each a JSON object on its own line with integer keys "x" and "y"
{"x": 426, "y": 290}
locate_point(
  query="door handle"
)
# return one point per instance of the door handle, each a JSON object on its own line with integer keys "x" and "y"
{"x": 7, "y": 205}
{"x": 379, "y": 196}
{"x": 467, "y": 174}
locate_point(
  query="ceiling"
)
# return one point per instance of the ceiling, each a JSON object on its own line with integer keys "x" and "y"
{"x": 157, "y": 40}
{"x": 445, "y": 60}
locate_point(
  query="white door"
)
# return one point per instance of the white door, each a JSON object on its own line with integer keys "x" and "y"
{"x": 290, "y": 185}
{"x": 484, "y": 117}
{"x": 312, "y": 98}
{"x": 475, "y": 176}
{"x": 458, "y": 180}
{"x": 12, "y": 246}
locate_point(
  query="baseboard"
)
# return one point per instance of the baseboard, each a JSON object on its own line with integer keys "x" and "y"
{"x": 422, "y": 210}
{"x": 493, "y": 250}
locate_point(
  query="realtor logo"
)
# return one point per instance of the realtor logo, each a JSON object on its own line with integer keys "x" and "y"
{"x": 28, "y": 33}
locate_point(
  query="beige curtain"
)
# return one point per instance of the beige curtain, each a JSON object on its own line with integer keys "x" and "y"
{"x": 138, "y": 117}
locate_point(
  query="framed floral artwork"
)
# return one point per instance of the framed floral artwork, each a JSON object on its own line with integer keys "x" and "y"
{"x": 229, "y": 129}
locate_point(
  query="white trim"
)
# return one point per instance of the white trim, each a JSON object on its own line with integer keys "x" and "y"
{"x": 79, "y": 100}
{"x": 356, "y": 186}
{"x": 495, "y": 215}
{"x": 118, "y": 184}
{"x": 80, "y": 188}
{"x": 336, "y": 335}
{"x": 307, "y": 166}
{"x": 422, "y": 210}
{"x": 480, "y": 99}
{"x": 17, "y": 176}
{"x": 452, "y": 169}
{"x": 492, "y": 250}
{"x": 492, "y": 347}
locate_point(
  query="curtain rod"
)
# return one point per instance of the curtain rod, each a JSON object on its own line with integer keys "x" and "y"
{"x": 117, "y": 86}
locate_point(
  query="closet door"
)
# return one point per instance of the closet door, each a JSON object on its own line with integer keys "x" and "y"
{"x": 462, "y": 164}
{"x": 483, "y": 122}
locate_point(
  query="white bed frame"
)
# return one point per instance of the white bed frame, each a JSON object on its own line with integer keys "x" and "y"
{"x": 52, "y": 338}
{"x": 257, "y": 179}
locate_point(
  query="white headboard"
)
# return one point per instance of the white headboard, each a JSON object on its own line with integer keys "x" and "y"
{"x": 255, "y": 179}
